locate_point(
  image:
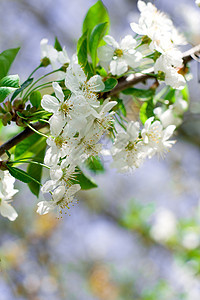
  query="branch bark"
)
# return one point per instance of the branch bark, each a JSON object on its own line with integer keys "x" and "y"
{"x": 20, "y": 137}
{"x": 124, "y": 83}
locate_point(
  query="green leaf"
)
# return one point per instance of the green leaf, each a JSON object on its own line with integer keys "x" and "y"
{"x": 10, "y": 81}
{"x": 23, "y": 86}
{"x": 57, "y": 45}
{"x": 35, "y": 98}
{"x": 122, "y": 107}
{"x": 95, "y": 38}
{"x": 110, "y": 83}
{"x": 8, "y": 84}
{"x": 142, "y": 95}
{"x": 94, "y": 164}
{"x": 20, "y": 174}
{"x": 82, "y": 53}
{"x": 170, "y": 95}
{"x": 96, "y": 14}
{"x": 35, "y": 171}
{"x": 82, "y": 50}
{"x": 146, "y": 111}
{"x": 85, "y": 182}
{"x": 29, "y": 146}
{"x": 185, "y": 93}
{"x": 6, "y": 59}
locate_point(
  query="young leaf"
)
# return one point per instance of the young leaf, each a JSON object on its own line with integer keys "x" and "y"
{"x": 35, "y": 98}
{"x": 96, "y": 14}
{"x": 27, "y": 147}
{"x": 142, "y": 95}
{"x": 170, "y": 95}
{"x": 122, "y": 107}
{"x": 20, "y": 174}
{"x": 95, "y": 165}
{"x": 185, "y": 93}
{"x": 146, "y": 111}
{"x": 6, "y": 59}
{"x": 110, "y": 83}
{"x": 96, "y": 36}
{"x": 82, "y": 50}
{"x": 10, "y": 81}
{"x": 35, "y": 171}
{"x": 57, "y": 45}
{"x": 23, "y": 86}
{"x": 82, "y": 53}
{"x": 8, "y": 84}
{"x": 85, "y": 182}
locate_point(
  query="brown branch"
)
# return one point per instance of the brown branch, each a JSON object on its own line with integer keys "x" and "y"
{"x": 20, "y": 137}
{"x": 123, "y": 84}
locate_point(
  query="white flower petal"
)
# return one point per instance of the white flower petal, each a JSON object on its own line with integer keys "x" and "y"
{"x": 111, "y": 41}
{"x": 58, "y": 193}
{"x": 44, "y": 207}
{"x": 105, "y": 53}
{"x": 50, "y": 103}
{"x": 128, "y": 42}
{"x": 118, "y": 67}
{"x": 58, "y": 91}
{"x": 73, "y": 190}
{"x": 6, "y": 210}
{"x": 96, "y": 84}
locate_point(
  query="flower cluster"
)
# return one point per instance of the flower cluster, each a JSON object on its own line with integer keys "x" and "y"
{"x": 132, "y": 146}
{"x": 163, "y": 38}
{"x": 77, "y": 124}
{"x": 7, "y": 191}
{"x": 79, "y": 120}
{"x": 85, "y": 104}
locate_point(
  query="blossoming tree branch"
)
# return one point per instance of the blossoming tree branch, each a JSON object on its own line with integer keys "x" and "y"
{"x": 83, "y": 117}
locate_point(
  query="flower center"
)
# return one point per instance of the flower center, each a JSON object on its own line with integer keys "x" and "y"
{"x": 59, "y": 141}
{"x": 118, "y": 53}
{"x": 64, "y": 107}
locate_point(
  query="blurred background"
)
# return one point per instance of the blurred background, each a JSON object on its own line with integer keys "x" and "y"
{"x": 136, "y": 236}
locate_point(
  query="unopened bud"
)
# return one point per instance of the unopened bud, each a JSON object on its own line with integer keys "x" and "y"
{"x": 20, "y": 122}
{"x": 18, "y": 105}
{"x": 146, "y": 40}
{"x": 161, "y": 75}
{"x": 45, "y": 62}
{"x": 3, "y": 165}
{"x": 6, "y": 118}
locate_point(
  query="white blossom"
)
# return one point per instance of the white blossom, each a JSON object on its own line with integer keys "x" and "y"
{"x": 128, "y": 151}
{"x": 156, "y": 138}
{"x": 76, "y": 81}
{"x": 172, "y": 115}
{"x": 56, "y": 58}
{"x": 171, "y": 75}
{"x": 61, "y": 198}
{"x": 157, "y": 26}
{"x": 7, "y": 191}
{"x": 119, "y": 56}
{"x": 165, "y": 226}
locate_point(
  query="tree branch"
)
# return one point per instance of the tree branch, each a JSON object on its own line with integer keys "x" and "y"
{"x": 20, "y": 137}
{"x": 124, "y": 83}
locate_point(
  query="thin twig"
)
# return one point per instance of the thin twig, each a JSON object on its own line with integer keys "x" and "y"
{"x": 20, "y": 137}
